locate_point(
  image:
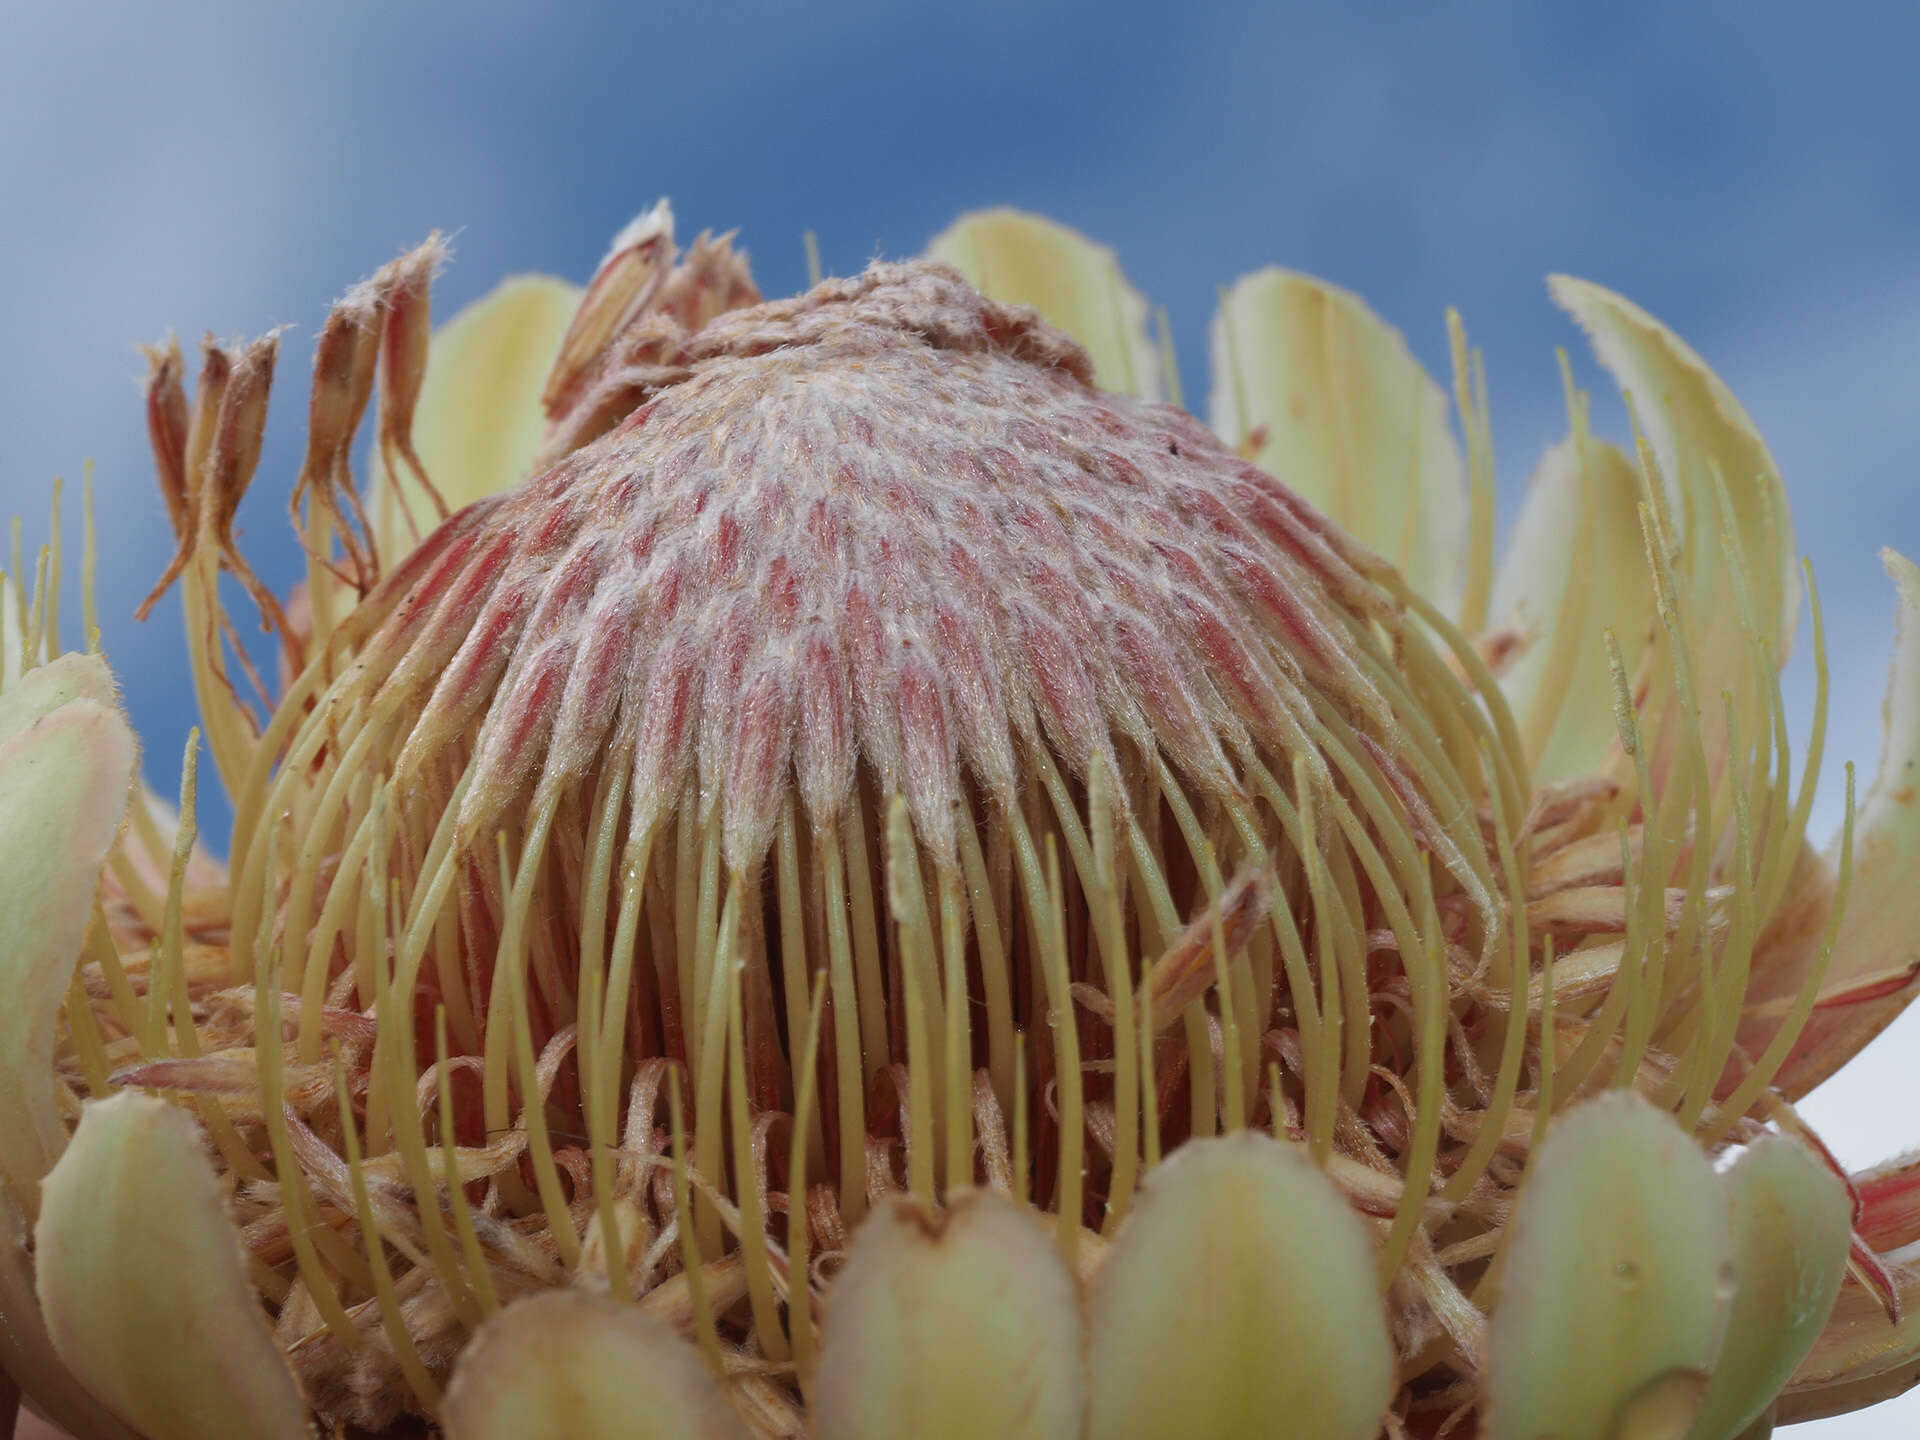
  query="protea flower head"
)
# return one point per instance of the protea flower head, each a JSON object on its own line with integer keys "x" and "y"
{"x": 873, "y": 878}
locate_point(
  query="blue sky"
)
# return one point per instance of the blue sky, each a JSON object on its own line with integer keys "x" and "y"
{"x": 1744, "y": 171}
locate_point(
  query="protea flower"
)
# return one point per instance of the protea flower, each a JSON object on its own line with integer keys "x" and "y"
{"x": 874, "y": 879}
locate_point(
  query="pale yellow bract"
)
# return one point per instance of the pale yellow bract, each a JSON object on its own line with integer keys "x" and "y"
{"x": 839, "y": 866}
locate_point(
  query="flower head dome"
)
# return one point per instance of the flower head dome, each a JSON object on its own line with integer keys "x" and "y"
{"x": 867, "y": 879}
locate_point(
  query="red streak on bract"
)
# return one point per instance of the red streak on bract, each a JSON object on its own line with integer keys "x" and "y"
{"x": 1073, "y": 720}
{"x": 528, "y": 717}
{"x": 823, "y": 749}
{"x": 661, "y": 754}
{"x": 755, "y": 765}
{"x": 726, "y": 549}
{"x": 1273, "y": 597}
{"x": 488, "y": 648}
{"x": 932, "y": 789}
{"x": 1889, "y": 1206}
{"x": 1878, "y": 988}
{"x": 1226, "y": 659}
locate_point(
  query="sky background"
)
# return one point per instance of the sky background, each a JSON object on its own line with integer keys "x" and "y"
{"x": 1744, "y": 171}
